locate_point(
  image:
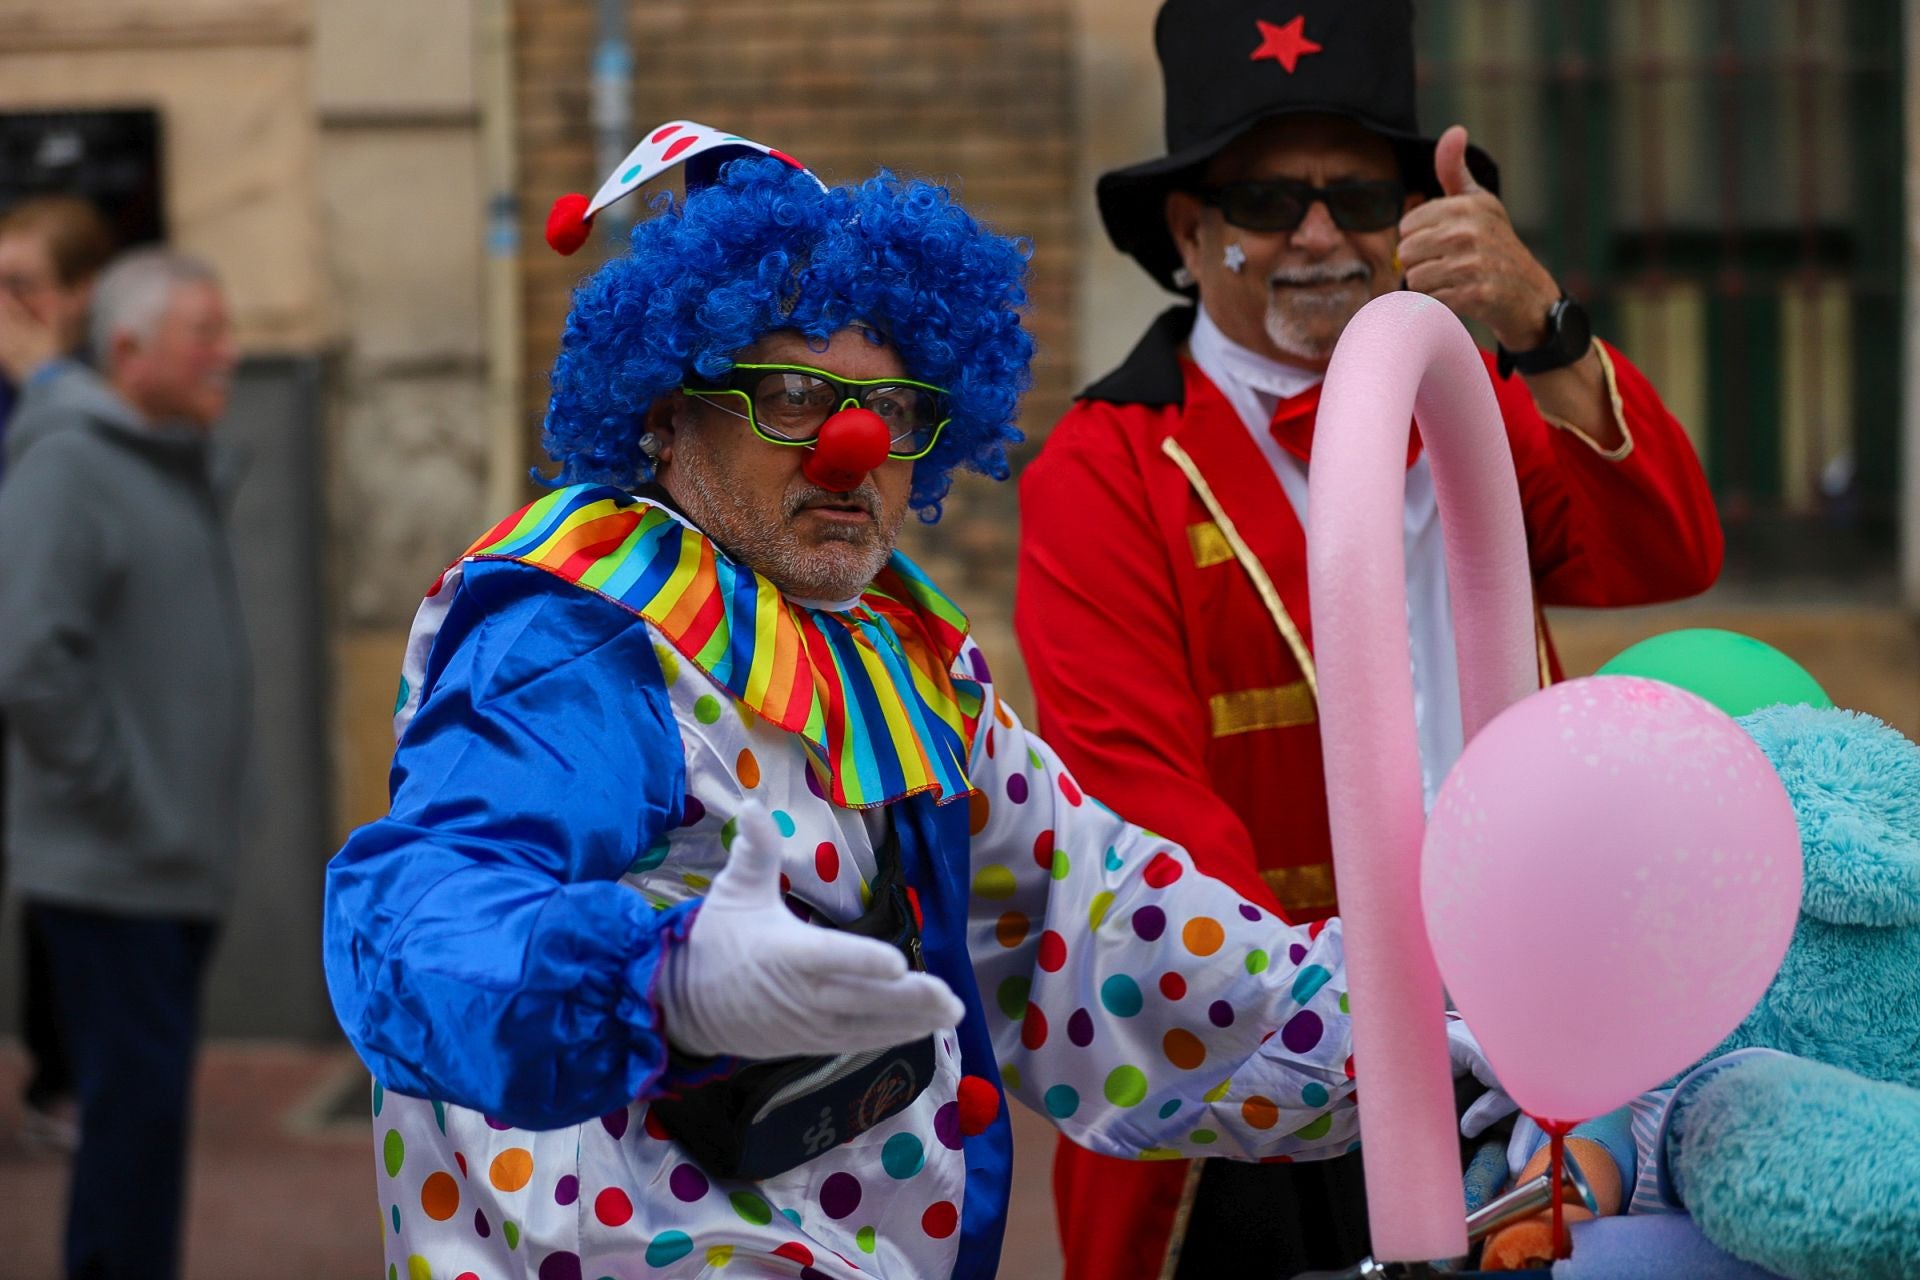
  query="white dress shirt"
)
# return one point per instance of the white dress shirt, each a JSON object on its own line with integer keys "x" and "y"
{"x": 1254, "y": 386}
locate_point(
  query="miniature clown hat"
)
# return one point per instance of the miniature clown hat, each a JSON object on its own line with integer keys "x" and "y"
{"x": 702, "y": 148}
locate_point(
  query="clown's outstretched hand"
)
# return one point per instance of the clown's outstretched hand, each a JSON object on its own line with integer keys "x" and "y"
{"x": 754, "y": 981}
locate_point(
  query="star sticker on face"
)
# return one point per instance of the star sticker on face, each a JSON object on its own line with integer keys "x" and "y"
{"x": 1284, "y": 44}
{"x": 1235, "y": 257}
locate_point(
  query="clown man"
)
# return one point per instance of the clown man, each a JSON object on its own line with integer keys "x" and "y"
{"x": 721, "y": 903}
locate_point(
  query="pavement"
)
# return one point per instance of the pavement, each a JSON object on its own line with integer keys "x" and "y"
{"x": 282, "y": 1180}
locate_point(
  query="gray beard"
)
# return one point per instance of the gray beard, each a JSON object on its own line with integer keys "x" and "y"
{"x": 839, "y": 567}
{"x": 1306, "y": 326}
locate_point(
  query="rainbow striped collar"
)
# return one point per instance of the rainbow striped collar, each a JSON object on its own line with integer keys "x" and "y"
{"x": 870, "y": 691}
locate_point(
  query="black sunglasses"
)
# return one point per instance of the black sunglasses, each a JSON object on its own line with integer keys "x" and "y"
{"x": 1281, "y": 204}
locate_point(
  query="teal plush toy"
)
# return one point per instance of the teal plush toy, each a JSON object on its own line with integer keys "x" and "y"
{"x": 1809, "y": 1165}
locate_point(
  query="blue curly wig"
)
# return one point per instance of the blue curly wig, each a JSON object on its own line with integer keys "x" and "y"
{"x": 764, "y": 249}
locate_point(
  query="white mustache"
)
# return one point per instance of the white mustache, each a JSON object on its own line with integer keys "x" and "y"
{"x": 1323, "y": 273}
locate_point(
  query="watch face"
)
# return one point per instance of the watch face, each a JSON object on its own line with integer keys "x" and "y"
{"x": 1572, "y": 331}
{"x": 1569, "y": 335}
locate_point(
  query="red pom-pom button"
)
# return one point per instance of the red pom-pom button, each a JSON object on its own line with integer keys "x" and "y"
{"x": 568, "y": 224}
{"x": 851, "y": 443}
{"x": 979, "y": 1105}
{"x": 1162, "y": 871}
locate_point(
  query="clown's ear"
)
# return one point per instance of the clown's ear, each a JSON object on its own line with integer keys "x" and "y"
{"x": 702, "y": 149}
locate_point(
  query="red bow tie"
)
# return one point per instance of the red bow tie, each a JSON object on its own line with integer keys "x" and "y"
{"x": 1293, "y": 420}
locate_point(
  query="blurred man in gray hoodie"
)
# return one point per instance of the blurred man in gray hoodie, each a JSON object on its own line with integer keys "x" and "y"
{"x": 124, "y": 680}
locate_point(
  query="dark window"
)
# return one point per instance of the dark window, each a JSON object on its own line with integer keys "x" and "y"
{"x": 1720, "y": 181}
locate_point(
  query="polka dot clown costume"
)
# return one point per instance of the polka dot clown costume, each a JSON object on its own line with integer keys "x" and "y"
{"x": 596, "y": 694}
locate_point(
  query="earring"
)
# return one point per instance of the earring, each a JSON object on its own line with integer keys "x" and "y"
{"x": 650, "y": 445}
{"x": 1234, "y": 258}
{"x": 1182, "y": 278}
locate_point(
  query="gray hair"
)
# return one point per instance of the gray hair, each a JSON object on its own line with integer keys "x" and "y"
{"x": 132, "y": 294}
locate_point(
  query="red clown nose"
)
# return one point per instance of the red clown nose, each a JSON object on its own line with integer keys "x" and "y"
{"x": 851, "y": 443}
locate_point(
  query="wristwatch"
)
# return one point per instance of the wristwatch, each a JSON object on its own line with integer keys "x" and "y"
{"x": 1569, "y": 335}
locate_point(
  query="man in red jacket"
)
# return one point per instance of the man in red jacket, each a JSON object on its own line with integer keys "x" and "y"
{"x": 1162, "y": 601}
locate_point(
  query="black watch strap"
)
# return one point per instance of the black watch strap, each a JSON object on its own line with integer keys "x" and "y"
{"x": 1569, "y": 336}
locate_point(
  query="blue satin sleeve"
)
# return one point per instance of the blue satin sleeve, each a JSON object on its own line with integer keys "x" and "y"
{"x": 479, "y": 946}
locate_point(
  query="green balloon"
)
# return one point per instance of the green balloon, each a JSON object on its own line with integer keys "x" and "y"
{"x": 1735, "y": 673}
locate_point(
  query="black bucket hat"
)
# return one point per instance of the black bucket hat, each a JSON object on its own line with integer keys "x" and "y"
{"x": 1227, "y": 65}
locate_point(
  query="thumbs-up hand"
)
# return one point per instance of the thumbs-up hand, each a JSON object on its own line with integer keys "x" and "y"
{"x": 1462, "y": 249}
{"x": 751, "y": 980}
{"x": 1450, "y": 164}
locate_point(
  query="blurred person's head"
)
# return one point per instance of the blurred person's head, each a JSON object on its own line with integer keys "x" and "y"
{"x": 52, "y": 249}
{"x": 161, "y": 336}
{"x": 714, "y": 355}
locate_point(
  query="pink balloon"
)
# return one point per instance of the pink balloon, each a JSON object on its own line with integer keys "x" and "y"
{"x": 1405, "y": 356}
{"x": 1611, "y": 875}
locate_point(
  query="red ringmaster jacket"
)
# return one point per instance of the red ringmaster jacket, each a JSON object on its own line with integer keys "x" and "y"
{"x": 1162, "y": 609}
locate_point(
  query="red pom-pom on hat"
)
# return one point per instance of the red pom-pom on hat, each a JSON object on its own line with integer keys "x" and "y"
{"x": 979, "y": 1104}
{"x": 568, "y": 223}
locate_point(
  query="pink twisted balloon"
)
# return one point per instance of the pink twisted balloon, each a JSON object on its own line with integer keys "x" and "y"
{"x": 1405, "y": 356}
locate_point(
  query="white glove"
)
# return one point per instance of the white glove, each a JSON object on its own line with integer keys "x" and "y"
{"x": 1527, "y": 1138}
{"x": 1493, "y": 1105}
{"x": 752, "y": 981}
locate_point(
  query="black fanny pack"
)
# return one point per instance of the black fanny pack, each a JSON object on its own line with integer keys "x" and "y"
{"x": 768, "y": 1117}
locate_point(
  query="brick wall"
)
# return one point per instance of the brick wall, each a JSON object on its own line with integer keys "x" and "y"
{"x": 974, "y": 93}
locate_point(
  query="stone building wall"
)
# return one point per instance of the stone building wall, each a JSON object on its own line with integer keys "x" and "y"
{"x": 402, "y": 202}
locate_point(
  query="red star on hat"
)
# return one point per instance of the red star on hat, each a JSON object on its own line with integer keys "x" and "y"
{"x": 1284, "y": 44}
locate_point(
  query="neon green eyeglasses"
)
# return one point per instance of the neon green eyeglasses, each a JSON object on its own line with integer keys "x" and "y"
{"x": 789, "y": 403}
